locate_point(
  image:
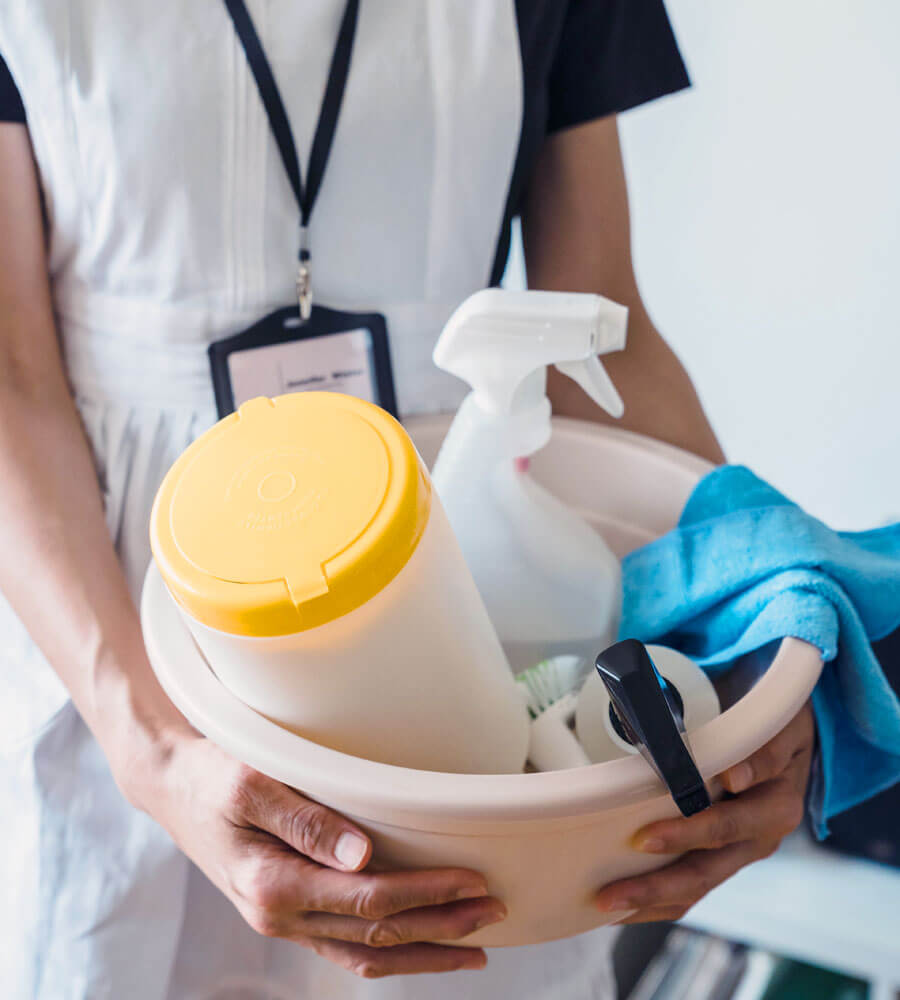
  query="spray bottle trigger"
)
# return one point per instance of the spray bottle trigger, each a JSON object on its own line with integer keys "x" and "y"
{"x": 593, "y": 378}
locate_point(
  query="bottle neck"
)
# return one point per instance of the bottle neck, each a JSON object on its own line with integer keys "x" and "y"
{"x": 511, "y": 435}
{"x": 531, "y": 393}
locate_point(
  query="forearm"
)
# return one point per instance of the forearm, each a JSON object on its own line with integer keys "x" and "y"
{"x": 60, "y": 573}
{"x": 660, "y": 399}
{"x": 58, "y": 568}
{"x": 577, "y": 238}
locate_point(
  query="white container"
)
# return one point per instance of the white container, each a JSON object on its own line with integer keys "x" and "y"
{"x": 551, "y": 584}
{"x": 546, "y": 841}
{"x": 415, "y": 676}
{"x": 395, "y": 663}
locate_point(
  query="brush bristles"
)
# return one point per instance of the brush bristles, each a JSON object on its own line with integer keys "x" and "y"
{"x": 550, "y": 680}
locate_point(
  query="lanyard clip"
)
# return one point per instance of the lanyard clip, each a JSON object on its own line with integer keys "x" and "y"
{"x": 304, "y": 291}
{"x": 304, "y": 279}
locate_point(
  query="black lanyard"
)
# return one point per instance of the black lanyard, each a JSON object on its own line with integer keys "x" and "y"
{"x": 281, "y": 126}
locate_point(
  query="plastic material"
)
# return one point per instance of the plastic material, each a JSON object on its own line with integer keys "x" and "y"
{"x": 647, "y": 711}
{"x": 544, "y": 841}
{"x": 403, "y": 665}
{"x": 501, "y": 342}
{"x": 289, "y": 513}
{"x": 551, "y": 694}
{"x": 594, "y": 726}
{"x": 550, "y": 584}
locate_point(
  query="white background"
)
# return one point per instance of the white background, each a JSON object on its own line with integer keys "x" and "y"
{"x": 766, "y": 212}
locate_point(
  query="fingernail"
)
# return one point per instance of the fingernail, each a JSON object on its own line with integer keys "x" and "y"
{"x": 471, "y": 892}
{"x": 475, "y": 962}
{"x": 491, "y": 917}
{"x": 616, "y": 903}
{"x": 741, "y": 777}
{"x": 652, "y": 845}
{"x": 350, "y": 849}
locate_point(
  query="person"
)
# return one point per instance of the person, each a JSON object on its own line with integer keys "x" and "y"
{"x": 145, "y": 213}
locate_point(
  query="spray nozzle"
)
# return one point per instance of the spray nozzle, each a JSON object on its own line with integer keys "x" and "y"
{"x": 648, "y": 713}
{"x": 592, "y": 377}
{"x": 501, "y": 343}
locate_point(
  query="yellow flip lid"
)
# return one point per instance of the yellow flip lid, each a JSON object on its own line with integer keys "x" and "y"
{"x": 289, "y": 513}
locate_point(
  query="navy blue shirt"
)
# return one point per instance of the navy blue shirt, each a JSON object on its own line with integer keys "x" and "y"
{"x": 581, "y": 60}
{"x": 11, "y": 109}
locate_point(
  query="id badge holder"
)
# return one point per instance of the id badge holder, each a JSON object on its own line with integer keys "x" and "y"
{"x": 330, "y": 351}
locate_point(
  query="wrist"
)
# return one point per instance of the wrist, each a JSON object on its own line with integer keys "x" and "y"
{"x": 137, "y": 726}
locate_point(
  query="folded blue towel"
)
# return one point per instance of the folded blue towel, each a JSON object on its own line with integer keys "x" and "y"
{"x": 746, "y": 566}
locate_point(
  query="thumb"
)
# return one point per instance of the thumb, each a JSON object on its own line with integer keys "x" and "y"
{"x": 310, "y": 828}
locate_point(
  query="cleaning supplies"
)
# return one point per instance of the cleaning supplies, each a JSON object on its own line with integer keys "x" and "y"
{"x": 648, "y": 713}
{"x": 318, "y": 574}
{"x": 599, "y": 731}
{"x": 744, "y": 567}
{"x": 573, "y": 719}
{"x": 550, "y": 691}
{"x": 542, "y": 841}
{"x": 550, "y": 582}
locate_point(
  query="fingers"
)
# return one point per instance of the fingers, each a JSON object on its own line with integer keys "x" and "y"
{"x": 375, "y": 896}
{"x": 434, "y": 923}
{"x": 655, "y": 914}
{"x": 311, "y": 829}
{"x": 275, "y": 886}
{"x": 682, "y": 883}
{"x": 769, "y": 811}
{"x": 279, "y": 857}
{"x": 404, "y": 960}
{"x": 715, "y": 843}
{"x": 774, "y": 758}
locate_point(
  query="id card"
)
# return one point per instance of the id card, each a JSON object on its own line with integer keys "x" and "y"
{"x": 332, "y": 351}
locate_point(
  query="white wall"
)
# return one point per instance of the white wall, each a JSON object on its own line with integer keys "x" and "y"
{"x": 766, "y": 207}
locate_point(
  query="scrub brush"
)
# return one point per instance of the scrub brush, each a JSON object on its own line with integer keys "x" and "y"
{"x": 550, "y": 691}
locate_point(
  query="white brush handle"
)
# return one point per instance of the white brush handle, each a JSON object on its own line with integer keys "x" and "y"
{"x": 552, "y": 745}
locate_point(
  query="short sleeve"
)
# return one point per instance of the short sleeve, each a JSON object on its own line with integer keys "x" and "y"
{"x": 612, "y": 55}
{"x": 11, "y": 109}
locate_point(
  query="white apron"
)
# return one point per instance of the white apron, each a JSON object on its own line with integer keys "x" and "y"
{"x": 172, "y": 224}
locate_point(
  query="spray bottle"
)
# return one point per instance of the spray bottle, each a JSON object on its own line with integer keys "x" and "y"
{"x": 551, "y": 584}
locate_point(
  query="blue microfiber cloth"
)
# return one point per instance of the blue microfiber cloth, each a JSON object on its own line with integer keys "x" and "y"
{"x": 746, "y": 566}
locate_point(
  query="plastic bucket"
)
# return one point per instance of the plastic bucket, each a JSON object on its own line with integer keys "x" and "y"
{"x": 546, "y": 841}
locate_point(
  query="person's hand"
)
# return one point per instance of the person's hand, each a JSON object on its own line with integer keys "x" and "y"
{"x": 769, "y": 790}
{"x": 294, "y": 868}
